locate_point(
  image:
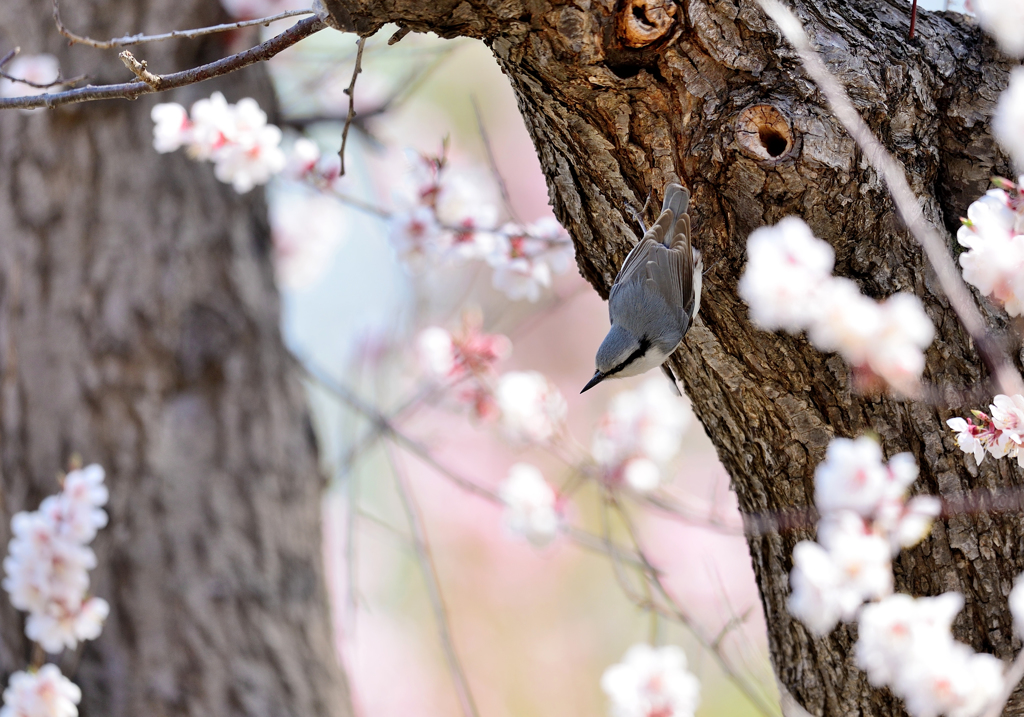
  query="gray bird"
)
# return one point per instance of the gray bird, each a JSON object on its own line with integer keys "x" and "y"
{"x": 654, "y": 298}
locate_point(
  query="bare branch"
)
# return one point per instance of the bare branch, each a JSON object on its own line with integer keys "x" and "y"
{"x": 8, "y": 57}
{"x": 502, "y": 187}
{"x": 933, "y": 244}
{"x": 429, "y": 570}
{"x": 351, "y": 92}
{"x": 139, "y": 39}
{"x": 132, "y": 90}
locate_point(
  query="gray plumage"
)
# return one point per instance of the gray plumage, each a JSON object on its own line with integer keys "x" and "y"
{"x": 655, "y": 295}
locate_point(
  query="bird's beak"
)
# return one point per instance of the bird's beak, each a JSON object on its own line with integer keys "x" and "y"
{"x": 598, "y": 378}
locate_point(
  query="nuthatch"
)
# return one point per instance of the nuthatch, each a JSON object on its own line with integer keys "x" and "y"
{"x": 654, "y": 298}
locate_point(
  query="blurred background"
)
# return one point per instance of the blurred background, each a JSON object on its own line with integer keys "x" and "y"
{"x": 534, "y": 627}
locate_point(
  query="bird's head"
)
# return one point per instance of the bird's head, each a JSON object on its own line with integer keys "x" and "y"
{"x": 620, "y": 352}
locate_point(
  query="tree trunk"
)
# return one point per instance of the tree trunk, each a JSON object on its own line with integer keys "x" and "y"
{"x": 623, "y": 97}
{"x": 139, "y": 329}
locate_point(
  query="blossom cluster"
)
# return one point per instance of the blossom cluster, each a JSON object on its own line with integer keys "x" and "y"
{"x": 993, "y": 233}
{"x": 1000, "y": 434}
{"x": 448, "y": 215}
{"x": 47, "y": 576}
{"x": 639, "y": 433}
{"x": 904, "y": 643}
{"x": 41, "y": 693}
{"x": 47, "y": 568}
{"x": 865, "y": 520}
{"x": 244, "y": 149}
{"x": 651, "y": 682}
{"x": 788, "y": 284}
{"x": 40, "y": 70}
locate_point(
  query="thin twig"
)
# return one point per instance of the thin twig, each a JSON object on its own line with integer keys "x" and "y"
{"x": 139, "y": 39}
{"x": 894, "y": 174}
{"x": 506, "y": 198}
{"x": 132, "y": 90}
{"x": 1012, "y": 678}
{"x": 429, "y": 570}
{"x": 913, "y": 20}
{"x": 9, "y": 56}
{"x": 351, "y": 92}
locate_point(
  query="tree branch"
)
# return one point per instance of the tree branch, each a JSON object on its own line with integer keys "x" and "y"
{"x": 138, "y": 39}
{"x": 133, "y": 90}
{"x": 351, "y": 92}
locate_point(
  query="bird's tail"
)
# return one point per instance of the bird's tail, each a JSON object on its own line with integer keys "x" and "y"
{"x": 677, "y": 198}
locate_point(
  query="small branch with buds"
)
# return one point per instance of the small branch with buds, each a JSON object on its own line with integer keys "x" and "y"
{"x": 351, "y": 92}
{"x": 133, "y": 90}
{"x": 139, "y": 69}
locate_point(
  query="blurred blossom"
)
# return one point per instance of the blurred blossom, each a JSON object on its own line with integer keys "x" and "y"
{"x": 651, "y": 682}
{"x": 532, "y": 409}
{"x": 302, "y": 158}
{"x": 787, "y": 266}
{"x": 1008, "y": 120}
{"x": 49, "y": 559}
{"x": 641, "y": 430}
{"x": 788, "y": 284}
{"x": 994, "y": 236}
{"x": 1017, "y": 605}
{"x": 853, "y": 477}
{"x": 37, "y": 69}
{"x": 245, "y": 149}
{"x": 530, "y": 504}
{"x": 1001, "y": 434}
{"x": 455, "y": 355}
{"x": 467, "y": 358}
{"x": 416, "y": 235}
{"x": 41, "y": 693}
{"x": 306, "y": 229}
{"x": 1004, "y": 20}
{"x": 172, "y": 128}
{"x": 526, "y": 258}
{"x": 831, "y": 580}
{"x": 906, "y": 644}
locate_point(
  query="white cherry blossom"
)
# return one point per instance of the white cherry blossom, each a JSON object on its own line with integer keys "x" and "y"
{"x": 530, "y": 504}
{"x": 532, "y": 409}
{"x": 1017, "y": 605}
{"x": 651, "y": 681}
{"x": 172, "y": 128}
{"x": 42, "y": 693}
{"x": 786, "y": 270}
{"x": 1008, "y": 120}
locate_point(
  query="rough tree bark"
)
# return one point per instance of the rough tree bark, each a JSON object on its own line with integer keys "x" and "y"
{"x": 624, "y": 96}
{"x": 139, "y": 328}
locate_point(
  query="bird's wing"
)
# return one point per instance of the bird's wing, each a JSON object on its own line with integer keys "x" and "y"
{"x": 670, "y": 274}
{"x": 640, "y": 254}
{"x": 682, "y": 245}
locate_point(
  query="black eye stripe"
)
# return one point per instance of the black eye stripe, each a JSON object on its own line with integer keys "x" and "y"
{"x": 644, "y": 345}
